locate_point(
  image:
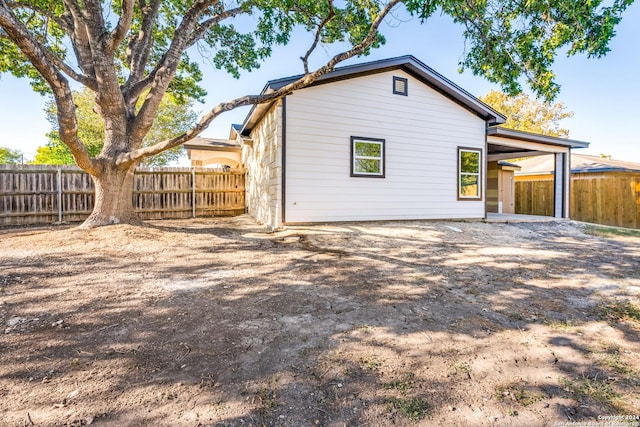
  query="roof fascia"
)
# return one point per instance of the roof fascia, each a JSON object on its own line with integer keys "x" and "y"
{"x": 501, "y": 132}
{"x": 407, "y": 63}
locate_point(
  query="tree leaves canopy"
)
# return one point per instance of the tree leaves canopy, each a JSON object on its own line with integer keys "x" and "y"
{"x": 510, "y": 41}
{"x": 173, "y": 118}
{"x": 530, "y": 115}
{"x": 9, "y": 156}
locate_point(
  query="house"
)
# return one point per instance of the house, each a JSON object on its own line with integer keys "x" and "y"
{"x": 211, "y": 152}
{"x": 383, "y": 140}
{"x": 603, "y": 191}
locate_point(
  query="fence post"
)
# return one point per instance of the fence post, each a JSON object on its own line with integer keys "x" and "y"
{"x": 59, "y": 194}
{"x": 193, "y": 192}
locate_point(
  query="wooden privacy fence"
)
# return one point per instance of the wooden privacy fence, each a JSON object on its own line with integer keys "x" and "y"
{"x": 38, "y": 194}
{"x": 600, "y": 198}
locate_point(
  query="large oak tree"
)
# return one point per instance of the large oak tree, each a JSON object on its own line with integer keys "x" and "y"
{"x": 130, "y": 53}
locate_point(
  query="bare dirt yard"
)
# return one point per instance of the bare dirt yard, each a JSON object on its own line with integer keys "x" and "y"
{"x": 214, "y": 322}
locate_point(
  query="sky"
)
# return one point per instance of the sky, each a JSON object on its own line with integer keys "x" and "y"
{"x": 603, "y": 93}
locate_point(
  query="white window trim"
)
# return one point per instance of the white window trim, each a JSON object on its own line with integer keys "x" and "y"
{"x": 354, "y": 157}
{"x": 478, "y": 174}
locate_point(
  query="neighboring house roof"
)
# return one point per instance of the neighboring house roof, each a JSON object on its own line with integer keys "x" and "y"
{"x": 502, "y": 132}
{"x": 580, "y": 163}
{"x": 509, "y": 164}
{"x": 406, "y": 63}
{"x": 212, "y": 144}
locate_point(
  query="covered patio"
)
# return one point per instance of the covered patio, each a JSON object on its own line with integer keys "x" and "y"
{"x": 508, "y": 144}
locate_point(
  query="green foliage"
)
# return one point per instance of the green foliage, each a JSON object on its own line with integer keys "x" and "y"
{"x": 414, "y": 409}
{"x": 509, "y": 41}
{"x": 530, "y": 115}
{"x": 599, "y": 389}
{"x": 173, "y": 118}
{"x": 606, "y": 231}
{"x": 517, "y": 392}
{"x": 619, "y": 310}
{"x": 9, "y": 156}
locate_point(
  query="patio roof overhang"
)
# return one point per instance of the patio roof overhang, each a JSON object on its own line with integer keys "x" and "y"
{"x": 505, "y": 144}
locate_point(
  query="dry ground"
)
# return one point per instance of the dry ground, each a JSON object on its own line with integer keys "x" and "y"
{"x": 214, "y": 322}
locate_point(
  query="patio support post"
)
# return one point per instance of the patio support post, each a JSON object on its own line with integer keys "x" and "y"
{"x": 561, "y": 186}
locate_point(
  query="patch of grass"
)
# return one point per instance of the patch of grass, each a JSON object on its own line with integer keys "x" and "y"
{"x": 472, "y": 291}
{"x": 516, "y": 392}
{"x": 403, "y": 386}
{"x": 462, "y": 367}
{"x": 370, "y": 363}
{"x": 603, "y": 231}
{"x": 265, "y": 398}
{"x": 557, "y": 325}
{"x": 513, "y": 315}
{"x": 415, "y": 409}
{"x": 617, "y": 310}
{"x": 594, "y": 388}
{"x": 610, "y": 358}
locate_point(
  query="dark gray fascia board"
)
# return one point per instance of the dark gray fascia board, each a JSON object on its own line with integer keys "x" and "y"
{"x": 418, "y": 69}
{"x": 408, "y": 63}
{"x": 535, "y": 137}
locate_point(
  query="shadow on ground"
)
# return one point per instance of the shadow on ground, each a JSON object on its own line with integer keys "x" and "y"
{"x": 214, "y": 322}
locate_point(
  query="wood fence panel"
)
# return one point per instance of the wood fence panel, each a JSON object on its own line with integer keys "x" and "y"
{"x": 77, "y": 195}
{"x": 600, "y": 198}
{"x": 40, "y": 194}
{"x": 534, "y": 198}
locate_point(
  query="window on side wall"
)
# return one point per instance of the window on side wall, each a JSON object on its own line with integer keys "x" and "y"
{"x": 469, "y": 179}
{"x": 367, "y": 157}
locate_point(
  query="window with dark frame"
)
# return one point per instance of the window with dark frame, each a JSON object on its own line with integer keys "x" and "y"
{"x": 400, "y": 86}
{"x": 469, "y": 172}
{"x": 367, "y": 157}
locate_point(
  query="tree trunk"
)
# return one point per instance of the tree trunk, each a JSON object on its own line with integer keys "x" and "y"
{"x": 113, "y": 203}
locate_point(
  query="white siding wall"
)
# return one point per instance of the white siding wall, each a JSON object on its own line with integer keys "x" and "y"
{"x": 263, "y": 161}
{"x": 422, "y": 133}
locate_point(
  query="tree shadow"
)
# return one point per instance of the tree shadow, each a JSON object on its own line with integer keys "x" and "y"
{"x": 318, "y": 325}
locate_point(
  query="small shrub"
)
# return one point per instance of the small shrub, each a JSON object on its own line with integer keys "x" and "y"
{"x": 414, "y": 409}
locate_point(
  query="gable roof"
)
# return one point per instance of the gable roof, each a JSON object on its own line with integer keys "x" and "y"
{"x": 580, "y": 163}
{"x": 406, "y": 63}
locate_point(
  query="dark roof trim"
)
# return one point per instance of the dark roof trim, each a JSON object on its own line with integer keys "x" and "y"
{"x": 212, "y": 144}
{"x": 588, "y": 169}
{"x": 501, "y": 132}
{"x": 407, "y": 63}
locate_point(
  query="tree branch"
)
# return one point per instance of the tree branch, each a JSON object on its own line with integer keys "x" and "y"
{"x": 330, "y": 16}
{"x": 34, "y": 52}
{"x": 123, "y": 26}
{"x": 44, "y": 12}
{"x": 66, "y": 68}
{"x": 304, "y": 81}
{"x": 165, "y": 71}
{"x": 206, "y": 25}
{"x": 140, "y": 47}
{"x": 79, "y": 38}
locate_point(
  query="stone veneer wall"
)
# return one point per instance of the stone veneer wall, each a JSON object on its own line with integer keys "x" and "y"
{"x": 263, "y": 162}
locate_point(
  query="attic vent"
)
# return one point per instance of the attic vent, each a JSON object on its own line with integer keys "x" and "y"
{"x": 400, "y": 86}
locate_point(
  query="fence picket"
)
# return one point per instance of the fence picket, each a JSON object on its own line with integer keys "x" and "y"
{"x": 36, "y": 194}
{"x": 601, "y": 198}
